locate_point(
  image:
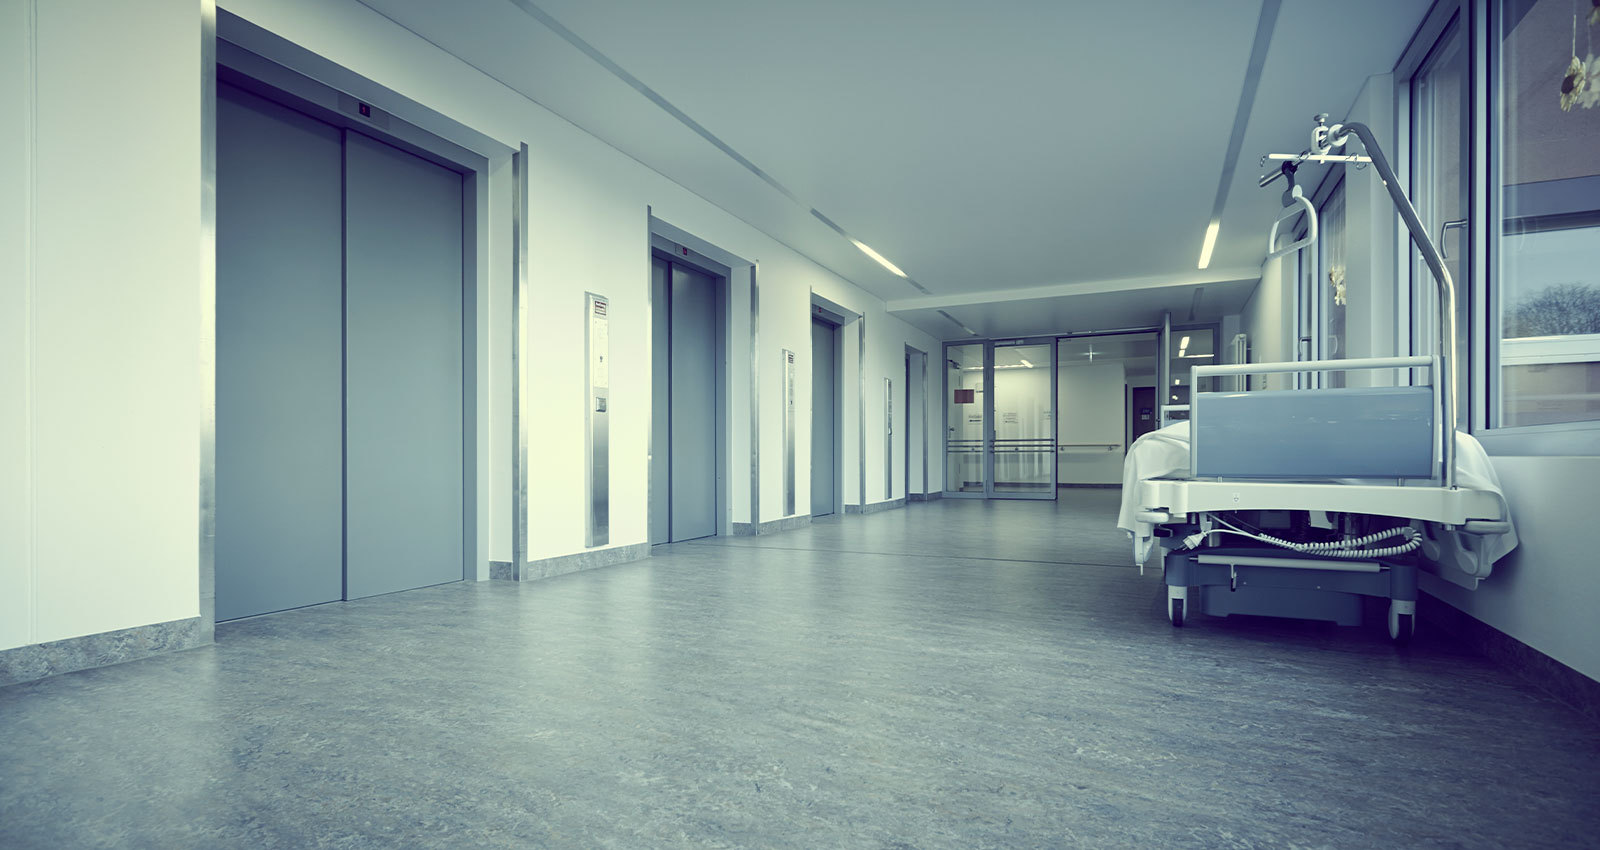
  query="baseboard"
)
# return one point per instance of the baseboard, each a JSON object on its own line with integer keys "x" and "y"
{"x": 1546, "y": 673}
{"x": 42, "y": 660}
{"x": 925, "y": 497}
{"x": 788, "y": 523}
{"x": 564, "y": 564}
{"x": 875, "y": 507}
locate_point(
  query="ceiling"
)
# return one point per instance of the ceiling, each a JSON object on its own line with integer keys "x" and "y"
{"x": 1069, "y": 148}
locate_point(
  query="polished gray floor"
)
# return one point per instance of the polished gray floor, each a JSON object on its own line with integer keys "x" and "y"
{"x": 955, "y": 674}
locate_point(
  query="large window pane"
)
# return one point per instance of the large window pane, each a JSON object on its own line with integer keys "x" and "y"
{"x": 1024, "y": 423}
{"x": 1546, "y": 256}
{"x": 1442, "y": 138}
{"x": 1190, "y": 348}
{"x": 1330, "y": 284}
{"x": 964, "y": 418}
{"x": 1106, "y": 394}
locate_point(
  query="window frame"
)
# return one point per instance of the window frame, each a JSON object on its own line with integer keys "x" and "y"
{"x": 1481, "y": 361}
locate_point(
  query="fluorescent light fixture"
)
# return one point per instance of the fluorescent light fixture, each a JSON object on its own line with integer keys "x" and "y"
{"x": 879, "y": 257}
{"x": 1182, "y": 344}
{"x": 1205, "y": 249}
{"x": 1026, "y": 363}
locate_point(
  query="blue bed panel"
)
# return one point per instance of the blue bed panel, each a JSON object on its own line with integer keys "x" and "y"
{"x": 1376, "y": 432}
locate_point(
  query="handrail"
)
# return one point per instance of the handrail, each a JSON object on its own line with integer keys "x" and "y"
{"x": 1337, "y": 135}
{"x": 1296, "y": 207}
{"x": 1416, "y": 362}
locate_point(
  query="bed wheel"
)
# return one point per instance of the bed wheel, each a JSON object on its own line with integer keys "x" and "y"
{"x": 1175, "y": 612}
{"x": 1402, "y": 623}
{"x": 1402, "y": 627}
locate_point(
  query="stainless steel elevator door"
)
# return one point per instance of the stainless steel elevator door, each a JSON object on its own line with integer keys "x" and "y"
{"x": 279, "y": 458}
{"x": 824, "y": 419}
{"x": 403, "y": 276}
{"x": 693, "y": 404}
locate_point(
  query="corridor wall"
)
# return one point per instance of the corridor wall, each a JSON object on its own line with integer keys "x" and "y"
{"x": 100, "y": 271}
{"x": 588, "y": 233}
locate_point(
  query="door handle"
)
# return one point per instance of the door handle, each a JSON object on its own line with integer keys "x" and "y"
{"x": 1444, "y": 230}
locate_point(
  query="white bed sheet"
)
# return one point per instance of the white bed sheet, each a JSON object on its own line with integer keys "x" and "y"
{"x": 1165, "y": 451}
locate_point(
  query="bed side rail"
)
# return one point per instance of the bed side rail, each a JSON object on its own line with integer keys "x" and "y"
{"x": 1370, "y": 432}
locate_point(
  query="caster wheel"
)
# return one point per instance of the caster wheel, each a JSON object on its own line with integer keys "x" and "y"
{"x": 1402, "y": 627}
{"x": 1175, "y": 612}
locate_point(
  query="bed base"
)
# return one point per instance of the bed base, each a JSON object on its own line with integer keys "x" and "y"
{"x": 1277, "y": 583}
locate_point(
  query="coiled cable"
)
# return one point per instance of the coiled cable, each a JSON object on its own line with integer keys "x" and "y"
{"x": 1349, "y": 549}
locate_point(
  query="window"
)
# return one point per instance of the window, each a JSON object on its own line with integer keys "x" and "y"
{"x": 1545, "y": 252}
{"x": 1441, "y": 133}
{"x": 1329, "y": 284}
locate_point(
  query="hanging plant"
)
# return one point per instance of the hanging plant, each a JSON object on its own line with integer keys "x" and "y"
{"x": 1336, "y": 277}
{"x": 1590, "y": 98}
{"x": 1573, "y": 83}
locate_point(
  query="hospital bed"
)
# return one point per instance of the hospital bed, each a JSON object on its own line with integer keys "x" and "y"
{"x": 1299, "y": 502}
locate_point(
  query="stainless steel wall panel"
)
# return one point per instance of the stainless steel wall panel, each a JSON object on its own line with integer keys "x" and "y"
{"x": 208, "y": 323}
{"x": 888, "y": 438}
{"x": 520, "y": 365}
{"x": 788, "y": 432}
{"x": 597, "y": 372}
{"x": 661, "y": 402}
{"x": 755, "y": 402}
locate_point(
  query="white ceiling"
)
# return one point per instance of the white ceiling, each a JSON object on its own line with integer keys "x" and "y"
{"x": 1004, "y": 145}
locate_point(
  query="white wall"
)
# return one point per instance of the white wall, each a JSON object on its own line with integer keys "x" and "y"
{"x": 1371, "y": 261}
{"x": 16, "y": 286}
{"x": 1545, "y": 593}
{"x": 1268, "y": 319}
{"x": 100, "y": 294}
{"x": 1092, "y": 398}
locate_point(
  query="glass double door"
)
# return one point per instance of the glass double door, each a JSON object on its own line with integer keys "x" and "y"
{"x": 1000, "y": 422}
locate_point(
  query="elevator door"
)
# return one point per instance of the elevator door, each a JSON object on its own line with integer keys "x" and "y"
{"x": 339, "y": 363}
{"x": 279, "y": 530}
{"x": 824, "y": 418}
{"x": 403, "y": 272}
{"x": 694, "y": 404}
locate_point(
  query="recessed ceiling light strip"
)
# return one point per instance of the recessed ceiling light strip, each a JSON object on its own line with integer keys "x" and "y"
{"x": 1241, "y": 119}
{"x": 957, "y": 322}
{"x": 683, "y": 118}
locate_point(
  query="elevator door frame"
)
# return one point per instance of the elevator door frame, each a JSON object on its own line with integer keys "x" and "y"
{"x": 821, "y": 316}
{"x": 672, "y": 254}
{"x": 269, "y": 66}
